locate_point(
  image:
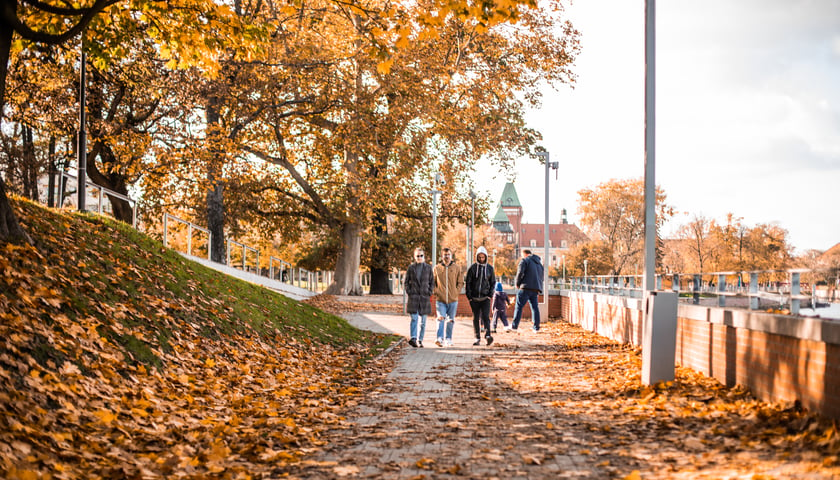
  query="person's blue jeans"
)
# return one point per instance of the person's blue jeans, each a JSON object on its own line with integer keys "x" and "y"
{"x": 447, "y": 311}
{"x": 522, "y": 297}
{"x": 414, "y": 326}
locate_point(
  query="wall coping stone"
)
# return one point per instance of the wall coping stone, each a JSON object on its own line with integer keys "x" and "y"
{"x": 806, "y": 328}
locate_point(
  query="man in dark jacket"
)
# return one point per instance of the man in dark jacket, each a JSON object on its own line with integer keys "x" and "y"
{"x": 418, "y": 286}
{"x": 479, "y": 284}
{"x": 529, "y": 281}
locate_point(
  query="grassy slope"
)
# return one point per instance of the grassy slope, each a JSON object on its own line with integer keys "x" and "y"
{"x": 119, "y": 358}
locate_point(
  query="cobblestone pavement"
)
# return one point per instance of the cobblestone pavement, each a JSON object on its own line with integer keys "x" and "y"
{"x": 482, "y": 412}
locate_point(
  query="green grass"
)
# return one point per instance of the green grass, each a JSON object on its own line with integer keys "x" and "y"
{"x": 105, "y": 269}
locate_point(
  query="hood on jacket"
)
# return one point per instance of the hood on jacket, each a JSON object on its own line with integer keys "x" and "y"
{"x": 499, "y": 287}
{"x": 535, "y": 258}
{"x": 483, "y": 250}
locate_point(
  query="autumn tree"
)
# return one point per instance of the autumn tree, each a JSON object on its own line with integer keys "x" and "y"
{"x": 613, "y": 212}
{"x": 180, "y": 28}
{"x": 697, "y": 242}
{"x": 436, "y": 105}
{"x": 17, "y": 21}
{"x": 706, "y": 245}
{"x": 599, "y": 258}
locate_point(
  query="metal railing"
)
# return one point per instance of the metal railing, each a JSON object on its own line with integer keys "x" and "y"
{"x": 315, "y": 281}
{"x": 101, "y": 192}
{"x": 190, "y": 227}
{"x": 245, "y": 250}
{"x": 283, "y": 271}
{"x": 736, "y": 289}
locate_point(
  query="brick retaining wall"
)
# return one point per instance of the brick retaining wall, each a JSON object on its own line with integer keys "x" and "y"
{"x": 778, "y": 357}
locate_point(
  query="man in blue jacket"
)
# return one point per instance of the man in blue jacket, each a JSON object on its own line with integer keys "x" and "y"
{"x": 529, "y": 281}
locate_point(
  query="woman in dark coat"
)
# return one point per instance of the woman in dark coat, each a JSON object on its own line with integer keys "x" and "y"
{"x": 418, "y": 286}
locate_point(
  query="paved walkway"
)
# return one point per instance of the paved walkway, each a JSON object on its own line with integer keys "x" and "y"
{"x": 559, "y": 404}
{"x": 424, "y": 424}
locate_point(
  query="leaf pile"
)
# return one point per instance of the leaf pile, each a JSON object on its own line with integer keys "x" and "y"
{"x": 119, "y": 359}
{"x": 692, "y": 424}
{"x": 331, "y": 304}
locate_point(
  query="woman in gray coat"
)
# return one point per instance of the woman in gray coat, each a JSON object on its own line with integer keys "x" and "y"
{"x": 419, "y": 284}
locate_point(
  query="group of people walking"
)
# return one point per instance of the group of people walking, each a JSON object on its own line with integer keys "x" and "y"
{"x": 484, "y": 293}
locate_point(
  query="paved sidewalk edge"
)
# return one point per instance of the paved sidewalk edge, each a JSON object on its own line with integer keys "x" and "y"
{"x": 389, "y": 349}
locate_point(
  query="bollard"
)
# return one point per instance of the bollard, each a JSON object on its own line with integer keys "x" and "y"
{"x": 660, "y": 337}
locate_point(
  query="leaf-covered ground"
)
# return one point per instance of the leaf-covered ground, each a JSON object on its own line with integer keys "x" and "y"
{"x": 564, "y": 404}
{"x": 120, "y": 359}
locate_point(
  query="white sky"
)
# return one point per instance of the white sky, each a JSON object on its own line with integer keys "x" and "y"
{"x": 748, "y": 113}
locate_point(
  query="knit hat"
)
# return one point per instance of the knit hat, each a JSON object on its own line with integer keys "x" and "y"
{"x": 499, "y": 287}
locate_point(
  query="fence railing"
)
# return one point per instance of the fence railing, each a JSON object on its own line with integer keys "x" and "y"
{"x": 190, "y": 227}
{"x": 744, "y": 288}
{"x": 245, "y": 250}
{"x": 100, "y": 193}
{"x": 315, "y": 281}
{"x": 291, "y": 276}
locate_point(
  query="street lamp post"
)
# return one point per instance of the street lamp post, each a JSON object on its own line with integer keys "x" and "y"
{"x": 564, "y": 271}
{"x": 586, "y": 275}
{"x": 548, "y": 165}
{"x": 472, "y": 229}
{"x": 435, "y": 192}
{"x": 659, "y": 334}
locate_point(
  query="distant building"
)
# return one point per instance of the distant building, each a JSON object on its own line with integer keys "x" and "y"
{"x": 507, "y": 222}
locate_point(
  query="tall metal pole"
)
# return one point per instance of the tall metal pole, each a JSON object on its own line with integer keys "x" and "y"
{"x": 435, "y": 193}
{"x": 659, "y": 335}
{"x": 82, "y": 144}
{"x": 564, "y": 271}
{"x": 545, "y": 239}
{"x": 650, "y": 145}
{"x": 548, "y": 165}
{"x": 472, "y": 230}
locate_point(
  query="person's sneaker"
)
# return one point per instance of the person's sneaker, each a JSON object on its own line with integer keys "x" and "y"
{"x": 413, "y": 343}
{"x": 535, "y": 330}
{"x": 514, "y": 330}
{"x": 439, "y": 342}
{"x": 506, "y": 329}
{"x": 477, "y": 342}
{"x": 449, "y": 343}
{"x": 420, "y": 344}
{"x": 493, "y": 331}
{"x": 489, "y": 341}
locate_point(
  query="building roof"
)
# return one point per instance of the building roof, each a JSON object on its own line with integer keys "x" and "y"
{"x": 509, "y": 196}
{"x": 501, "y": 216}
{"x": 558, "y": 232}
{"x": 501, "y": 222}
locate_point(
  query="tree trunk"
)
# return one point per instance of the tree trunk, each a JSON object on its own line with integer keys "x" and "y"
{"x": 346, "y": 279}
{"x": 10, "y": 229}
{"x": 215, "y": 195}
{"x": 114, "y": 181}
{"x": 216, "y": 223}
{"x": 379, "y": 266}
{"x": 29, "y": 167}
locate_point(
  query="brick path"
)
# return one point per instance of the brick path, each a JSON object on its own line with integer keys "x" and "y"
{"x": 416, "y": 427}
{"x": 494, "y": 412}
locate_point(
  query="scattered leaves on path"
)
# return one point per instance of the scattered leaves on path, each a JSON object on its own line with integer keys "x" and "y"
{"x": 569, "y": 404}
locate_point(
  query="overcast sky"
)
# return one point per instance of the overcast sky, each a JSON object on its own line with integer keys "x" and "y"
{"x": 748, "y": 113}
